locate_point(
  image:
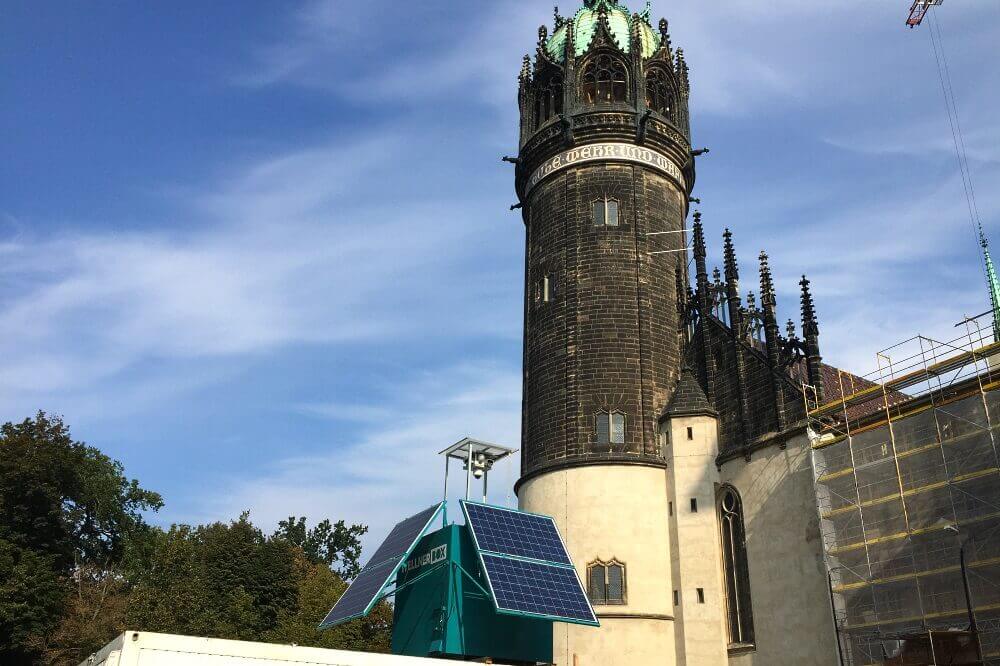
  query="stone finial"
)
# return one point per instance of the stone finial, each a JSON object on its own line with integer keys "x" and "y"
{"x": 767, "y": 296}
{"x": 699, "y": 236}
{"x": 790, "y": 330}
{"x": 729, "y": 256}
{"x": 558, "y": 17}
{"x": 682, "y": 71}
{"x": 525, "y": 74}
{"x": 665, "y": 37}
{"x": 543, "y": 35}
{"x": 810, "y": 326}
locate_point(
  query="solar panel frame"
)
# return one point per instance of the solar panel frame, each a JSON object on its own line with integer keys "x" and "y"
{"x": 391, "y": 554}
{"x": 483, "y": 554}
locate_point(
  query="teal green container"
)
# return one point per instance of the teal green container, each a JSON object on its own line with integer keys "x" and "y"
{"x": 443, "y": 608}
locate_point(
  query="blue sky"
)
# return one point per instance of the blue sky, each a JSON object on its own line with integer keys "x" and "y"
{"x": 261, "y": 252}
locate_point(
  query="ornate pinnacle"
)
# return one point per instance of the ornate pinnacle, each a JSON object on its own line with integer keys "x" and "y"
{"x": 558, "y": 17}
{"x": 636, "y": 33}
{"x": 809, "y": 324}
{"x": 665, "y": 37}
{"x": 767, "y": 296}
{"x": 729, "y": 256}
{"x": 525, "y": 75}
{"x": 751, "y": 301}
{"x": 543, "y": 38}
{"x": 717, "y": 277}
{"x": 699, "y": 236}
{"x": 790, "y": 329}
{"x": 682, "y": 70}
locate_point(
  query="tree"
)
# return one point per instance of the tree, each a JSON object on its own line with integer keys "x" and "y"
{"x": 65, "y": 508}
{"x": 326, "y": 544}
{"x": 228, "y": 580}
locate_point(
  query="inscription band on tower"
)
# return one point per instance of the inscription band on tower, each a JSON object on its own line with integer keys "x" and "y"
{"x": 616, "y": 152}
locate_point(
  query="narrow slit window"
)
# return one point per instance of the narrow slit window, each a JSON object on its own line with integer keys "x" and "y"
{"x": 548, "y": 289}
{"x": 670, "y": 508}
{"x": 598, "y": 583}
{"x": 617, "y": 428}
{"x": 701, "y": 595}
{"x": 694, "y": 505}
{"x": 677, "y": 598}
{"x": 690, "y": 432}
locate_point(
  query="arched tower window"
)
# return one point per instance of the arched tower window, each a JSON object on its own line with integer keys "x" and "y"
{"x": 605, "y": 212}
{"x": 549, "y": 100}
{"x": 606, "y": 582}
{"x": 610, "y": 427}
{"x": 659, "y": 92}
{"x": 604, "y": 80}
{"x": 739, "y": 613}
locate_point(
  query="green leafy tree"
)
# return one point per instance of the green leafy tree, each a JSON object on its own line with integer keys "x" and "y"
{"x": 65, "y": 508}
{"x": 229, "y": 580}
{"x": 337, "y": 546}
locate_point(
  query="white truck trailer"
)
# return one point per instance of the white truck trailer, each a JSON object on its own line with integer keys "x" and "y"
{"x": 141, "y": 648}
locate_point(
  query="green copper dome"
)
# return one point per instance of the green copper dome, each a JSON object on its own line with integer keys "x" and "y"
{"x": 585, "y": 27}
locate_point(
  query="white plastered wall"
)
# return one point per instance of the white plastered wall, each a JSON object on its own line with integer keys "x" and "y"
{"x": 695, "y": 546}
{"x": 613, "y": 512}
{"x": 788, "y": 584}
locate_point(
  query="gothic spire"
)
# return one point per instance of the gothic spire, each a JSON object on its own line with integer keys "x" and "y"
{"x": 772, "y": 336}
{"x": 732, "y": 273}
{"x": 767, "y": 296}
{"x": 810, "y": 331}
{"x": 809, "y": 323}
{"x": 992, "y": 282}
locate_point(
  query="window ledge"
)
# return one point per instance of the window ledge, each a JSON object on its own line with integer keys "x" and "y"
{"x": 741, "y": 648}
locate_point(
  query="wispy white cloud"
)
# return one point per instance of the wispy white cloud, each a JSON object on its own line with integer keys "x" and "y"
{"x": 391, "y": 469}
{"x": 296, "y": 249}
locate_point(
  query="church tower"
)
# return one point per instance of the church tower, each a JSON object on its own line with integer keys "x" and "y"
{"x": 604, "y": 177}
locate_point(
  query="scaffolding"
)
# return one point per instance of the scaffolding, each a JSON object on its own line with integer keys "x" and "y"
{"x": 907, "y": 475}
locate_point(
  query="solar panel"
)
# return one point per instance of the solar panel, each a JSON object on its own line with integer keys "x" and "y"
{"x": 363, "y": 593}
{"x": 533, "y": 588}
{"x": 526, "y": 564}
{"x": 509, "y": 532}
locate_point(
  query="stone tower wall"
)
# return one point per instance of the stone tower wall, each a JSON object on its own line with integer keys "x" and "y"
{"x": 608, "y": 337}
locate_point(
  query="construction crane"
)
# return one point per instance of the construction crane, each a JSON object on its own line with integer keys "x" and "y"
{"x": 919, "y": 10}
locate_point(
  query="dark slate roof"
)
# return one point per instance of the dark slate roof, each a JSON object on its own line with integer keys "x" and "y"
{"x": 689, "y": 398}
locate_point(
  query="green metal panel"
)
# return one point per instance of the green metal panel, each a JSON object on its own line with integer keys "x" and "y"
{"x": 443, "y": 608}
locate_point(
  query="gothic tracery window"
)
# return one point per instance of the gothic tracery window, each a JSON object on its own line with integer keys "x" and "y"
{"x": 604, "y": 80}
{"x": 549, "y": 100}
{"x": 659, "y": 92}
{"x": 610, "y": 427}
{"x": 739, "y": 613}
{"x": 606, "y": 582}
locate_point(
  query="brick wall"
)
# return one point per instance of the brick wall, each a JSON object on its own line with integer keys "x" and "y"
{"x": 608, "y": 339}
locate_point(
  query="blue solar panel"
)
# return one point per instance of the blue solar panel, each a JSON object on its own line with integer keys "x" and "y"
{"x": 364, "y": 591}
{"x": 526, "y": 564}
{"x": 533, "y": 588}
{"x": 509, "y": 532}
